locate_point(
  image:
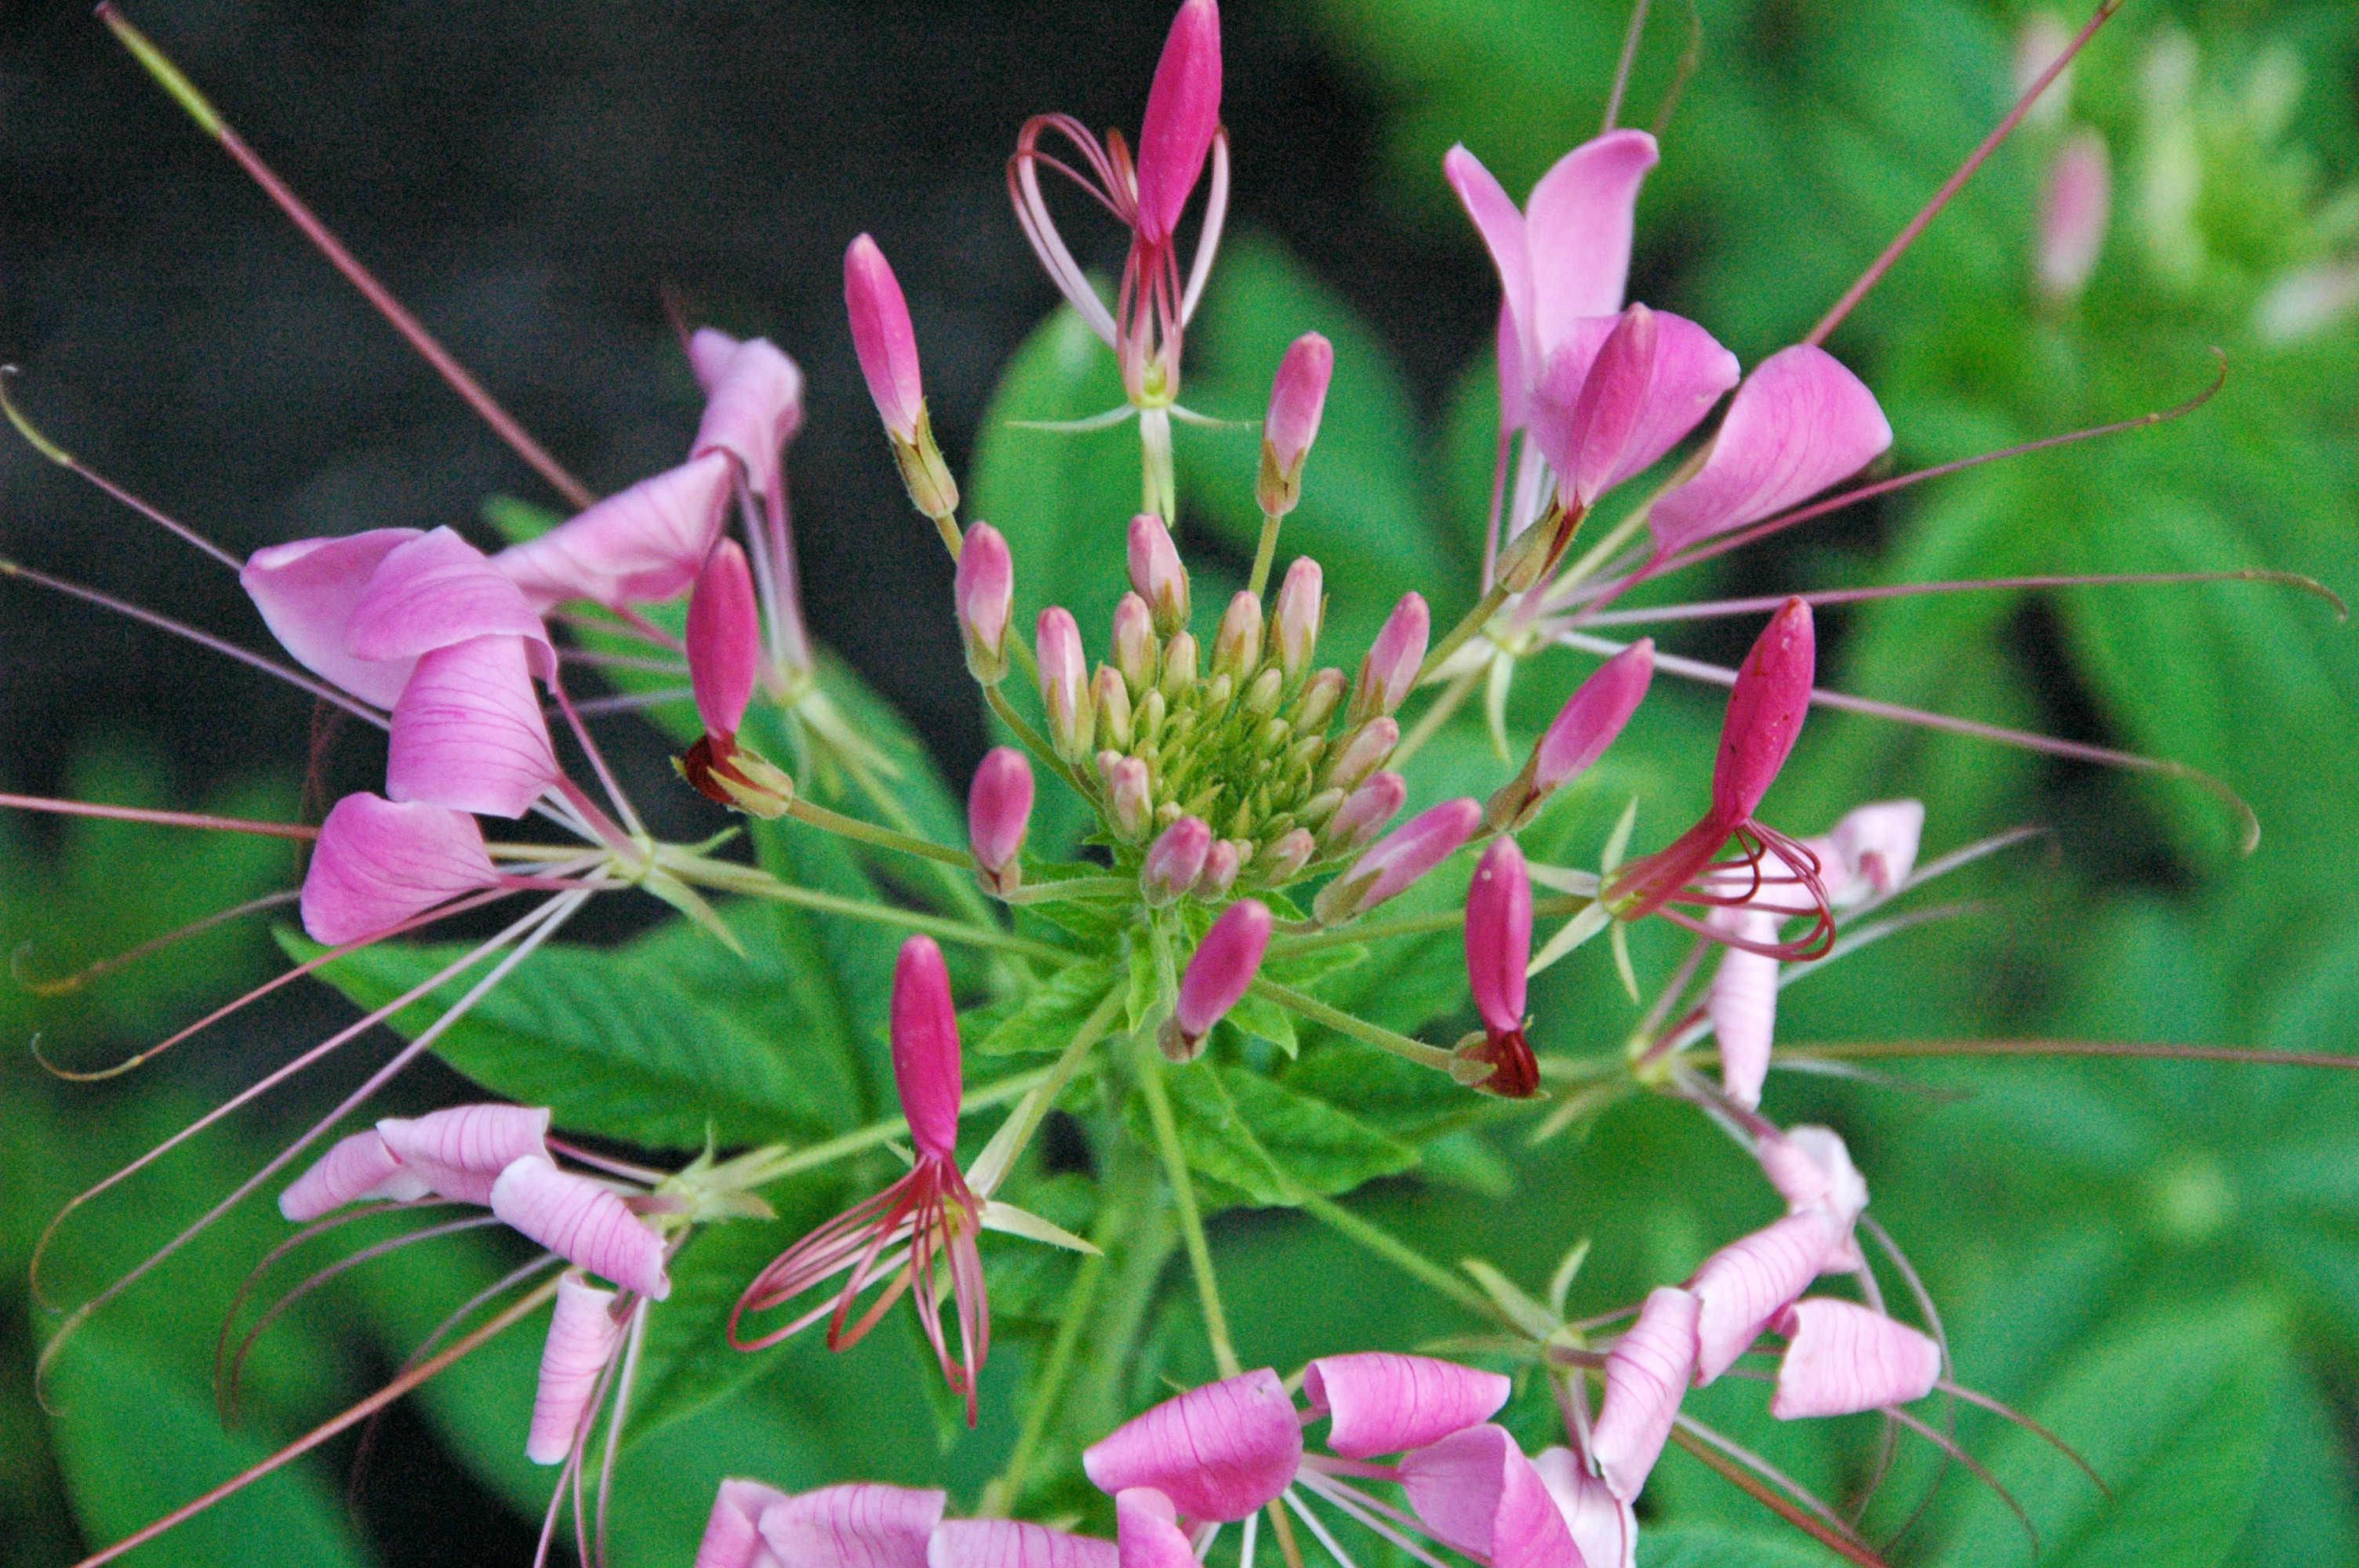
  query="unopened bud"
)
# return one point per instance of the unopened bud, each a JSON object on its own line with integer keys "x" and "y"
{"x": 1298, "y": 397}
{"x": 1128, "y": 800}
{"x": 1321, "y": 694}
{"x": 1286, "y": 856}
{"x": 1135, "y": 648}
{"x": 999, "y": 811}
{"x": 1263, "y": 695}
{"x": 724, "y": 641}
{"x": 1402, "y": 857}
{"x": 1301, "y": 607}
{"x": 1218, "y": 975}
{"x": 2073, "y": 211}
{"x": 737, "y": 777}
{"x": 1497, "y": 1063}
{"x": 1064, "y": 685}
{"x": 1389, "y": 671}
{"x": 985, "y": 594}
{"x": 1175, "y": 861}
{"x": 1179, "y": 666}
{"x": 1364, "y": 753}
{"x": 1236, "y": 647}
{"x": 1147, "y": 723}
{"x": 1112, "y": 698}
{"x": 1578, "y": 736}
{"x": 1157, "y": 574}
{"x": 1365, "y": 813}
{"x": 1222, "y": 863}
{"x": 1321, "y": 807}
{"x": 887, "y": 347}
{"x": 1534, "y": 552}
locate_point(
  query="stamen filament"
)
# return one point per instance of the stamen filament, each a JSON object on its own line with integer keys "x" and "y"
{"x": 1713, "y": 610}
{"x": 67, "y": 460}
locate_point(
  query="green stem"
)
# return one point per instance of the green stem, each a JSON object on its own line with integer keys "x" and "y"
{"x": 1012, "y": 1138}
{"x": 1101, "y": 1401}
{"x": 1402, "y": 1256}
{"x": 1475, "y": 620}
{"x": 1263, "y": 556}
{"x": 787, "y": 1163}
{"x": 1034, "y": 740}
{"x": 961, "y": 888}
{"x": 1408, "y": 926}
{"x": 802, "y": 810}
{"x": 1343, "y": 1022}
{"x": 1191, "y": 1222}
{"x": 1075, "y": 887}
{"x": 1436, "y": 715}
{"x": 1074, "y": 1320}
{"x": 761, "y": 884}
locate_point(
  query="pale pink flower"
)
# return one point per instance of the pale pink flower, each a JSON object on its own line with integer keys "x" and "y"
{"x": 1742, "y": 1288}
{"x": 1222, "y": 863}
{"x": 1477, "y": 1494}
{"x": 754, "y": 404}
{"x": 999, "y": 811}
{"x": 1841, "y": 1359}
{"x": 1382, "y": 1402}
{"x": 582, "y": 1221}
{"x": 455, "y": 1154}
{"x": 862, "y": 1524}
{"x": 1135, "y": 652}
{"x": 1603, "y": 1526}
{"x": 1147, "y": 1532}
{"x": 1236, "y": 642}
{"x": 307, "y": 593}
{"x": 1812, "y": 1172}
{"x": 733, "y": 1537}
{"x": 1011, "y": 1543}
{"x": 582, "y": 1336}
{"x": 640, "y": 545}
{"x": 1362, "y": 754}
{"x": 379, "y": 863}
{"x": 1646, "y": 1374}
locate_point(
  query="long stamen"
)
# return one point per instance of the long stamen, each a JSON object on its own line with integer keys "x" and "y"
{"x": 1761, "y": 1481}
{"x": 1909, "y": 1049}
{"x": 221, "y": 645}
{"x": 1948, "y": 1446}
{"x": 1950, "y": 188}
{"x": 162, "y": 818}
{"x": 1208, "y": 238}
{"x": 1719, "y": 675}
{"x": 1713, "y": 610}
{"x": 317, "y": 1228}
{"x": 2007, "y": 1413}
{"x": 67, "y": 460}
{"x": 412, "y": 330}
{"x": 66, "y": 984}
{"x": 1622, "y": 69}
{"x": 598, "y": 764}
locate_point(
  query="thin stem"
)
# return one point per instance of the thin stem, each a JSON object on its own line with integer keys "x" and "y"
{"x": 1191, "y": 1222}
{"x": 1360, "y": 1029}
{"x": 209, "y": 120}
{"x": 952, "y": 540}
{"x": 761, "y": 884}
{"x": 1034, "y": 742}
{"x": 1074, "y": 1320}
{"x": 1718, "y": 608}
{"x": 1264, "y": 554}
{"x": 962, "y": 889}
{"x": 615, "y": 796}
{"x": 802, "y": 810}
{"x": 1435, "y": 716}
{"x": 1401, "y": 1255}
{"x": 783, "y": 1165}
{"x": 1473, "y": 620}
{"x": 1408, "y": 926}
{"x": 1072, "y": 888}
{"x": 162, "y": 818}
{"x": 1906, "y": 1049}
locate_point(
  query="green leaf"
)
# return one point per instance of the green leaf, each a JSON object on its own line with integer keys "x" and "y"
{"x": 2173, "y": 1411}
{"x": 1269, "y": 1144}
{"x": 1264, "y": 1019}
{"x": 1047, "y": 1020}
{"x": 136, "y": 1441}
{"x": 1711, "y": 1546}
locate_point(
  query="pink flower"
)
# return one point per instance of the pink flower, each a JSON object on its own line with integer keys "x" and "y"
{"x": 1014, "y": 1544}
{"x": 1298, "y": 397}
{"x": 998, "y": 810}
{"x": 641, "y": 546}
{"x": 454, "y": 1155}
{"x": 1220, "y": 1451}
{"x": 1743, "y": 1286}
{"x": 1841, "y": 1359}
{"x": 1584, "y": 728}
{"x": 1389, "y": 671}
{"x": 985, "y": 594}
{"x": 582, "y": 1336}
{"x": 1147, "y": 1532}
{"x": 1477, "y": 1494}
{"x": 1398, "y": 860}
{"x": 931, "y": 1211}
{"x": 1812, "y": 1172}
{"x": 1498, "y": 948}
{"x": 1603, "y": 1526}
{"x": 1602, "y": 417}
{"x": 1647, "y": 1375}
{"x": 2074, "y": 209}
{"x": 861, "y": 1525}
{"x": 1380, "y": 1403}
{"x": 378, "y": 864}
{"x": 307, "y": 593}
{"x": 733, "y": 1536}
{"x": 1224, "y": 964}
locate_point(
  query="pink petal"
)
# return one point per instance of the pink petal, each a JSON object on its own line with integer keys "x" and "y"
{"x": 642, "y": 546}
{"x": 1799, "y": 423}
{"x": 468, "y": 732}
{"x": 1499, "y": 936}
{"x": 1504, "y": 233}
{"x": 1224, "y": 965}
{"x": 1219, "y": 1451}
{"x": 1812, "y": 1170}
{"x": 985, "y": 592}
{"x": 999, "y": 807}
{"x": 926, "y": 1048}
{"x": 862, "y": 1525}
{"x": 434, "y": 593}
{"x": 1580, "y": 219}
{"x": 1603, "y": 1526}
{"x": 357, "y": 1167}
{"x": 731, "y": 1539}
{"x": 1403, "y": 856}
{"x": 581, "y": 1222}
{"x": 378, "y": 863}
{"x": 1478, "y": 1493}
{"x": 581, "y": 1337}
{"x": 1653, "y": 380}
{"x": 1843, "y": 1358}
{"x": 754, "y": 404}
{"x": 1742, "y": 1004}
{"x": 307, "y": 593}
{"x": 1765, "y": 712}
{"x": 1748, "y": 1282}
{"x": 1874, "y": 850}
{"x": 1382, "y": 1402}
{"x": 1647, "y": 1373}
{"x": 1593, "y": 715}
{"x": 1514, "y": 381}
{"x": 1011, "y": 1543}
{"x": 1183, "y": 111}
{"x": 459, "y": 1152}
{"x": 1298, "y": 396}
{"x": 883, "y": 338}
{"x": 724, "y": 639}
{"x": 1147, "y": 1531}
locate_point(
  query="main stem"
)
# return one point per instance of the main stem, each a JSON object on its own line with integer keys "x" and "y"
{"x": 1191, "y": 1222}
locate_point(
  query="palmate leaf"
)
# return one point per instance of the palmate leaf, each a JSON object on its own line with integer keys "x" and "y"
{"x": 1270, "y": 1144}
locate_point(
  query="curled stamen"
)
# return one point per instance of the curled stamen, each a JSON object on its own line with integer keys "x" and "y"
{"x": 66, "y": 984}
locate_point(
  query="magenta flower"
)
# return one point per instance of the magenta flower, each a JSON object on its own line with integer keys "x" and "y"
{"x": 998, "y": 810}
{"x": 1841, "y": 1359}
{"x": 1297, "y": 398}
{"x": 1223, "y": 966}
{"x": 582, "y": 1336}
{"x": 1498, "y": 949}
{"x": 640, "y": 545}
{"x": 1647, "y": 1375}
{"x": 1406, "y": 854}
{"x": 1584, "y": 728}
{"x": 1222, "y": 863}
{"x": 985, "y": 595}
{"x": 378, "y": 864}
{"x": 1478, "y": 1493}
{"x": 1381, "y": 1402}
{"x": 1602, "y": 418}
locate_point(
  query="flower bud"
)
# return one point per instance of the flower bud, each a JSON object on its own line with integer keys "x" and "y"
{"x": 1297, "y": 399}
{"x": 1578, "y": 736}
{"x": 1765, "y": 712}
{"x": 725, "y": 640}
{"x": 1301, "y": 607}
{"x": 1147, "y": 720}
{"x": 1261, "y": 698}
{"x": 1497, "y": 1062}
{"x": 1183, "y": 115}
{"x": 2073, "y": 210}
{"x": 1499, "y": 936}
{"x": 985, "y": 595}
{"x": 1364, "y": 753}
{"x": 1236, "y": 647}
{"x": 1224, "y": 964}
{"x": 1321, "y": 807}
{"x": 1321, "y": 694}
{"x": 1156, "y": 573}
{"x": 1064, "y": 685}
{"x": 1179, "y": 666}
{"x": 1175, "y": 861}
{"x": 1364, "y": 813}
{"x": 738, "y": 777}
{"x": 1128, "y": 798}
{"x": 1222, "y": 863}
{"x": 887, "y": 348}
{"x": 1389, "y": 671}
{"x": 1403, "y": 856}
{"x": 1287, "y": 855}
{"x": 1135, "y": 648}
{"x": 998, "y": 810}
{"x": 1112, "y": 698}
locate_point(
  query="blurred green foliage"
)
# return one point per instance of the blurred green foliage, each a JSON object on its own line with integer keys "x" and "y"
{"x": 2158, "y": 1261}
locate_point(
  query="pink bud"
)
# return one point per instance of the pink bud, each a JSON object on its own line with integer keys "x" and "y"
{"x": 1236, "y": 645}
{"x": 1292, "y": 850}
{"x": 357, "y": 1167}
{"x": 1157, "y": 573}
{"x": 998, "y": 810}
{"x": 1652, "y": 379}
{"x": 1301, "y": 606}
{"x": 1841, "y": 1359}
{"x": 2072, "y": 214}
{"x": 985, "y": 591}
{"x": 1134, "y": 649}
{"x": 1363, "y": 754}
{"x": 1499, "y": 936}
{"x": 1584, "y": 728}
{"x": 1765, "y": 713}
{"x": 1749, "y": 1282}
{"x": 1064, "y": 685}
{"x": 581, "y": 1339}
{"x": 1321, "y": 694}
{"x": 581, "y": 1222}
{"x": 1128, "y": 801}
{"x": 378, "y": 863}
{"x": 1390, "y": 669}
{"x": 1646, "y": 1374}
{"x": 1399, "y": 859}
{"x": 926, "y": 1048}
{"x": 1183, "y": 111}
{"x": 1220, "y": 1451}
{"x": 883, "y": 338}
{"x": 1297, "y": 399}
{"x": 1224, "y": 964}
{"x": 1222, "y": 863}
{"x": 725, "y": 640}
{"x": 1176, "y": 860}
